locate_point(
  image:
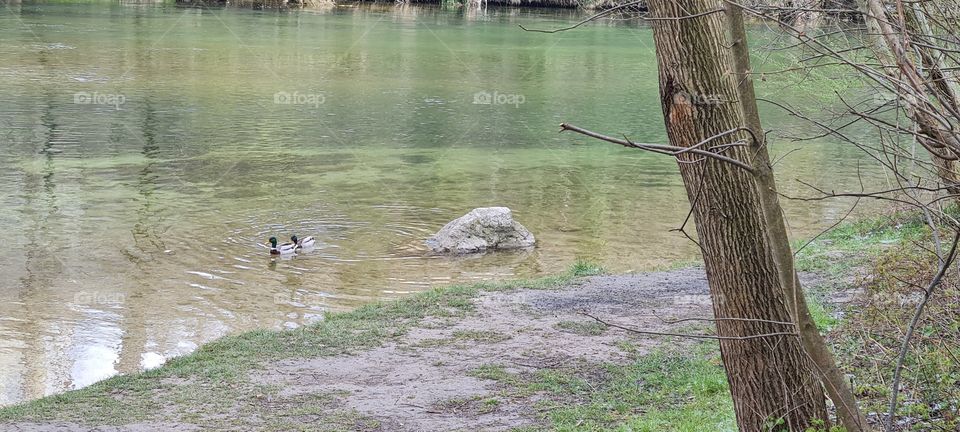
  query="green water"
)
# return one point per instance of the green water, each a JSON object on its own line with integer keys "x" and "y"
{"x": 133, "y": 232}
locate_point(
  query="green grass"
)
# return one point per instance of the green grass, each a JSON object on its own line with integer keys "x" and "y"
{"x": 475, "y": 405}
{"x": 852, "y": 245}
{"x": 585, "y": 268}
{"x": 491, "y": 372}
{"x": 670, "y": 390}
{"x": 482, "y": 336}
{"x": 868, "y": 341}
{"x": 840, "y": 252}
{"x": 461, "y": 338}
{"x": 678, "y": 264}
{"x": 822, "y": 317}
{"x": 583, "y": 328}
{"x": 680, "y": 392}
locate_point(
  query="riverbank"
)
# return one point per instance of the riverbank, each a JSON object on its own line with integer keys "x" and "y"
{"x": 510, "y": 356}
{"x": 491, "y": 357}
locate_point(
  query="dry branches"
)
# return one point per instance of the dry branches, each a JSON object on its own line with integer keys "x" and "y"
{"x": 669, "y": 149}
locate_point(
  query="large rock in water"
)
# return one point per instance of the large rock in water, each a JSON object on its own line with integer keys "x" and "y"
{"x": 483, "y": 229}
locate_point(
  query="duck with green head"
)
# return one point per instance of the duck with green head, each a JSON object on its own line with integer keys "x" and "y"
{"x": 283, "y": 249}
{"x": 307, "y": 242}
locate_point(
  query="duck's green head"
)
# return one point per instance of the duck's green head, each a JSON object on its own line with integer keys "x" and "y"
{"x": 294, "y": 239}
{"x": 273, "y": 241}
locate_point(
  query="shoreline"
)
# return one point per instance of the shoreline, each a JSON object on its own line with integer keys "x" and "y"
{"x": 434, "y": 361}
{"x": 494, "y": 356}
{"x": 505, "y": 356}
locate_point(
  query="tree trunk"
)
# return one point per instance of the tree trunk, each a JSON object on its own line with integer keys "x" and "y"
{"x": 812, "y": 341}
{"x": 937, "y": 124}
{"x": 942, "y": 86}
{"x": 772, "y": 387}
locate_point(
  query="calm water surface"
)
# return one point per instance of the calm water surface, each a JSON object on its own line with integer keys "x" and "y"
{"x": 133, "y": 231}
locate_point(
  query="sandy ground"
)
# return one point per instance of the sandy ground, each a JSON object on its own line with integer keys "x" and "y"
{"x": 422, "y": 381}
{"x": 407, "y": 384}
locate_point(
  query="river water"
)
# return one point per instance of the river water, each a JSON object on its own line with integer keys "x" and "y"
{"x": 147, "y": 152}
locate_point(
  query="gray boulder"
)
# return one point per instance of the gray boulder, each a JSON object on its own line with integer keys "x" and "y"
{"x": 483, "y": 229}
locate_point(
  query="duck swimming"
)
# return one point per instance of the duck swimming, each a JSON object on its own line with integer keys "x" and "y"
{"x": 305, "y": 243}
{"x": 284, "y": 249}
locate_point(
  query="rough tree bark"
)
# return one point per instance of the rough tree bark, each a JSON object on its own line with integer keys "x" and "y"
{"x": 812, "y": 341}
{"x": 770, "y": 381}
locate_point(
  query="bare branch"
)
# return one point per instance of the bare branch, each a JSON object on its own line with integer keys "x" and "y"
{"x": 692, "y": 336}
{"x": 586, "y": 20}
{"x": 614, "y": 9}
{"x": 657, "y": 148}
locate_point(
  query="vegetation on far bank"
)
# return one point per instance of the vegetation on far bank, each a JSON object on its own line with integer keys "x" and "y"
{"x": 674, "y": 389}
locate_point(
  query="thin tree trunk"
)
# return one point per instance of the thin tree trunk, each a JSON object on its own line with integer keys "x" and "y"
{"x": 942, "y": 87}
{"x": 812, "y": 341}
{"x": 937, "y": 125}
{"x": 772, "y": 387}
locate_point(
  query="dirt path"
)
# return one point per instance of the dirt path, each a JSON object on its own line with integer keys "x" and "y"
{"x": 436, "y": 377}
{"x": 424, "y": 382}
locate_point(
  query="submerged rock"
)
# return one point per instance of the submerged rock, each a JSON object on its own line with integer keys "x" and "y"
{"x": 483, "y": 229}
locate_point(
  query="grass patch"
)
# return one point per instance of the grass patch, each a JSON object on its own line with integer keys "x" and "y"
{"x": 493, "y": 372}
{"x": 853, "y": 244}
{"x": 483, "y": 336}
{"x": 583, "y": 328}
{"x": 821, "y": 315}
{"x": 477, "y": 405}
{"x": 462, "y": 337}
{"x": 664, "y": 391}
{"x": 674, "y": 392}
{"x": 585, "y": 268}
{"x": 678, "y": 264}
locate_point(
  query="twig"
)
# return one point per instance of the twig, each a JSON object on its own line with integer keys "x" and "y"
{"x": 656, "y": 148}
{"x": 692, "y": 336}
{"x": 614, "y": 9}
{"x": 666, "y": 321}
{"x": 586, "y": 20}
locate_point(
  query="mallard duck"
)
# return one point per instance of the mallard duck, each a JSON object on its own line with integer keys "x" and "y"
{"x": 307, "y": 242}
{"x": 284, "y": 249}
